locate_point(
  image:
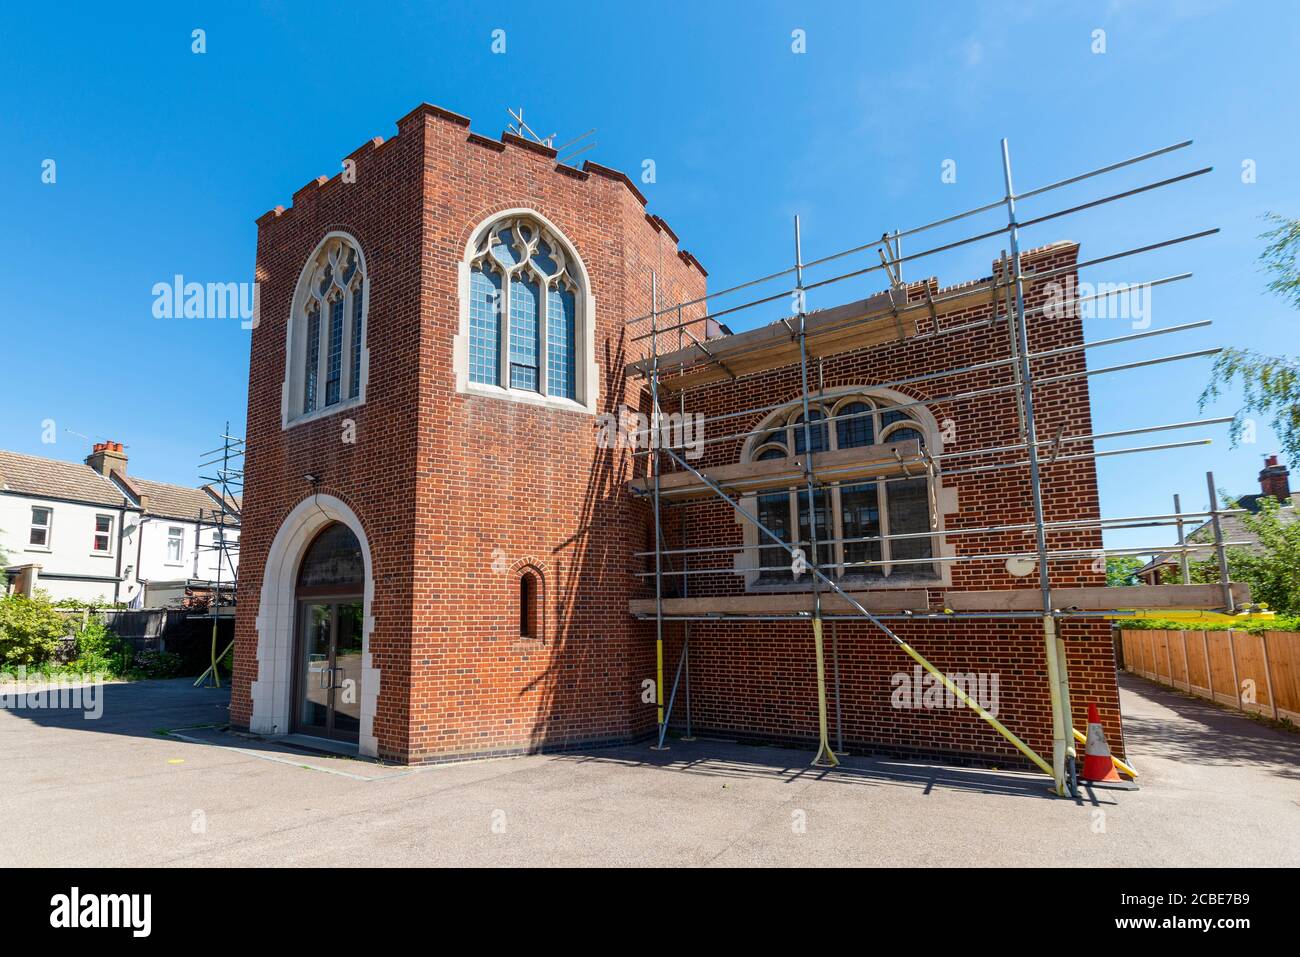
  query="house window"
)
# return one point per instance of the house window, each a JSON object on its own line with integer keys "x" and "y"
{"x": 327, "y": 334}
{"x": 525, "y": 296}
{"x": 103, "y": 541}
{"x": 175, "y": 544}
{"x": 39, "y": 536}
{"x": 857, "y": 522}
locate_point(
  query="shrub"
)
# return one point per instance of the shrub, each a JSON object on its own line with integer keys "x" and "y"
{"x": 94, "y": 605}
{"x": 30, "y": 629}
{"x": 97, "y": 639}
{"x": 157, "y": 664}
{"x": 1280, "y": 623}
{"x": 100, "y": 649}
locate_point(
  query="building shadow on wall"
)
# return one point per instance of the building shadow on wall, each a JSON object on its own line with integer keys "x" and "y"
{"x": 589, "y": 691}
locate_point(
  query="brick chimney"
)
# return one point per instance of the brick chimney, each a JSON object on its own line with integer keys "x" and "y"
{"x": 1274, "y": 480}
{"x": 107, "y": 457}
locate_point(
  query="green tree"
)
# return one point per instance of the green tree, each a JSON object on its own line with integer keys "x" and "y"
{"x": 1270, "y": 385}
{"x": 1272, "y": 572}
{"x": 1120, "y": 570}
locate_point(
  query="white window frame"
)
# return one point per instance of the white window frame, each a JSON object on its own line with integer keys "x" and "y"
{"x": 586, "y": 374}
{"x": 789, "y": 420}
{"x": 48, "y": 526}
{"x": 108, "y": 535}
{"x": 331, "y": 249}
{"x": 167, "y": 554}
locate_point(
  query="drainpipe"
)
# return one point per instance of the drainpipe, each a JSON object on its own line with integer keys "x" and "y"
{"x": 121, "y": 538}
{"x": 139, "y": 553}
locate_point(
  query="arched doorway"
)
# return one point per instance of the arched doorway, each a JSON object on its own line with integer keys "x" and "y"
{"x": 328, "y": 628}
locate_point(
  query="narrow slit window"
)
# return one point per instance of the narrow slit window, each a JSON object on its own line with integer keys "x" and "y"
{"x": 528, "y": 617}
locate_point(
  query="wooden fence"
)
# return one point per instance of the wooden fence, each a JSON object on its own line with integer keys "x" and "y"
{"x": 157, "y": 629}
{"x": 1259, "y": 673}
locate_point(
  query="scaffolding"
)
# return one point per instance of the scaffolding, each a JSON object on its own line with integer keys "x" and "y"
{"x": 672, "y": 481}
{"x": 226, "y": 483}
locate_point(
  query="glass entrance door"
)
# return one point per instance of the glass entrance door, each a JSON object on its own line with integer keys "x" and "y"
{"x": 347, "y": 670}
{"x": 329, "y": 668}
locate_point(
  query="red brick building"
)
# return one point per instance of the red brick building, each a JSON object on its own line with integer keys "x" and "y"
{"x": 440, "y": 559}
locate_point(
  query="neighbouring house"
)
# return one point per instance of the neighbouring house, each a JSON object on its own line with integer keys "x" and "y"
{"x": 1274, "y": 482}
{"x": 89, "y": 530}
{"x": 441, "y": 560}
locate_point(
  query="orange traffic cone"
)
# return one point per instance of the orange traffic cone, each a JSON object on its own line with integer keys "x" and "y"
{"x": 1098, "y": 765}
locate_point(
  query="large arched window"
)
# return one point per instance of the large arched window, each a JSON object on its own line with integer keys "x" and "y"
{"x": 525, "y": 321}
{"x": 326, "y": 352}
{"x": 858, "y": 523}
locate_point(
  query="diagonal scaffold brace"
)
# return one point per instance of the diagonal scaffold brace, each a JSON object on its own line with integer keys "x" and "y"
{"x": 834, "y": 586}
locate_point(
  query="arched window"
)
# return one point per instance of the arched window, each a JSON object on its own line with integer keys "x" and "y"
{"x": 530, "y": 616}
{"x": 333, "y": 563}
{"x": 525, "y": 313}
{"x": 858, "y": 523}
{"x": 326, "y": 351}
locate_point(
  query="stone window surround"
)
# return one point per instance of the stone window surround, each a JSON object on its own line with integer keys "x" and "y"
{"x": 587, "y": 386}
{"x": 945, "y": 498}
{"x": 295, "y": 342}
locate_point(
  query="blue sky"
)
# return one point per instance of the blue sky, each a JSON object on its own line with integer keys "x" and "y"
{"x": 165, "y": 158}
